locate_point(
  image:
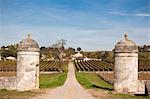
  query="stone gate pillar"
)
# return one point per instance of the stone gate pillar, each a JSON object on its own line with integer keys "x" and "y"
{"x": 126, "y": 67}
{"x": 27, "y": 65}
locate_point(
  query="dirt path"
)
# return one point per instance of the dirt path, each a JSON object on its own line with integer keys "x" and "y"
{"x": 70, "y": 90}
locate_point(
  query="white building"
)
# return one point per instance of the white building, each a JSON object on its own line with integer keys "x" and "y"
{"x": 11, "y": 58}
{"x": 77, "y": 55}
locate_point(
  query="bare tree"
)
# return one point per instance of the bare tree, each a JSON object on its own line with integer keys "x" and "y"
{"x": 59, "y": 51}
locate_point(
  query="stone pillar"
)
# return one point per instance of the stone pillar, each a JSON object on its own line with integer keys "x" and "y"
{"x": 126, "y": 67}
{"x": 0, "y": 57}
{"x": 27, "y": 65}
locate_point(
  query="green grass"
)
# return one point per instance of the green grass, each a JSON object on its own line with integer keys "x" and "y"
{"x": 46, "y": 81}
{"x": 52, "y": 80}
{"x": 65, "y": 67}
{"x": 92, "y": 80}
{"x": 55, "y": 79}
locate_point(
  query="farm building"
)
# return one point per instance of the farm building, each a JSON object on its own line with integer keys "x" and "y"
{"x": 11, "y": 58}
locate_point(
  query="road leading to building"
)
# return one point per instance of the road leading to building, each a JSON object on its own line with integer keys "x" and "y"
{"x": 70, "y": 90}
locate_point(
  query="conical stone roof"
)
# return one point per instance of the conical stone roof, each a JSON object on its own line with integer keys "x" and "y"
{"x": 28, "y": 44}
{"x": 126, "y": 45}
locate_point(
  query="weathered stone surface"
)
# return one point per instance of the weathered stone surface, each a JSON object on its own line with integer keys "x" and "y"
{"x": 28, "y": 44}
{"x": 147, "y": 83}
{"x": 126, "y": 45}
{"x": 8, "y": 83}
{"x": 126, "y": 68}
{"x": 140, "y": 87}
{"x": 27, "y": 65}
{"x": 27, "y": 68}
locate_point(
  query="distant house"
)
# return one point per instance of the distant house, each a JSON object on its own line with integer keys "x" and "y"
{"x": 43, "y": 57}
{"x": 77, "y": 56}
{"x": 49, "y": 59}
{"x": 6, "y": 49}
{"x": 91, "y": 59}
{"x": 148, "y": 48}
{"x": 87, "y": 58}
{"x": 11, "y": 58}
{"x": 145, "y": 48}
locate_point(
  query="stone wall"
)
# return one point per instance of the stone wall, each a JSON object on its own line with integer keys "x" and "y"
{"x": 140, "y": 84}
{"x": 147, "y": 85}
{"x": 8, "y": 83}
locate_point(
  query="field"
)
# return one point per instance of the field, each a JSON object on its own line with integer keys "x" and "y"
{"x": 93, "y": 65}
{"x": 52, "y": 65}
{"x": 98, "y": 65}
{"x": 109, "y": 76}
{"x": 106, "y": 64}
{"x": 46, "y": 81}
{"x": 95, "y": 75}
{"x": 105, "y": 69}
{"x": 101, "y": 89}
{"x": 8, "y": 68}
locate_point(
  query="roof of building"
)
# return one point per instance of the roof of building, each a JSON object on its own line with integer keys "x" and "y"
{"x": 78, "y": 55}
{"x": 11, "y": 58}
{"x": 28, "y": 44}
{"x": 126, "y": 45}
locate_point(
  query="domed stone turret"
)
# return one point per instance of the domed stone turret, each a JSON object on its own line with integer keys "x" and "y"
{"x": 126, "y": 45}
{"x": 28, "y": 65}
{"x": 126, "y": 68}
{"x": 28, "y": 44}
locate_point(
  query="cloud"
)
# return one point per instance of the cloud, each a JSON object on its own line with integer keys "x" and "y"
{"x": 137, "y": 14}
{"x": 88, "y": 39}
{"x": 93, "y": 26}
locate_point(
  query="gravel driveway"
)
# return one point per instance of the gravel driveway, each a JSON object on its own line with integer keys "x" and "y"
{"x": 70, "y": 90}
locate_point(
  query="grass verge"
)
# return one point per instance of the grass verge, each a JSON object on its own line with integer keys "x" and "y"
{"x": 46, "y": 81}
{"x": 52, "y": 80}
{"x": 92, "y": 80}
{"x": 101, "y": 89}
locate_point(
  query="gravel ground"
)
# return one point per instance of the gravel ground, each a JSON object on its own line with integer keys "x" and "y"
{"x": 70, "y": 90}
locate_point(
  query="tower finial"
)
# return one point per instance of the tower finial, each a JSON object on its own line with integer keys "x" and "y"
{"x": 126, "y": 36}
{"x": 29, "y": 35}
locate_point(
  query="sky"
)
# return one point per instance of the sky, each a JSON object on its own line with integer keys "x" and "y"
{"x": 90, "y": 24}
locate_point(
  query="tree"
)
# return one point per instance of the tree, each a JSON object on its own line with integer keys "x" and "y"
{"x": 43, "y": 48}
{"x": 70, "y": 51}
{"x": 79, "y": 49}
{"x": 59, "y": 51}
{"x": 10, "y": 50}
{"x": 8, "y": 53}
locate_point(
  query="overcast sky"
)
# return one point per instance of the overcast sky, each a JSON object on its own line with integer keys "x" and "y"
{"x": 90, "y": 24}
